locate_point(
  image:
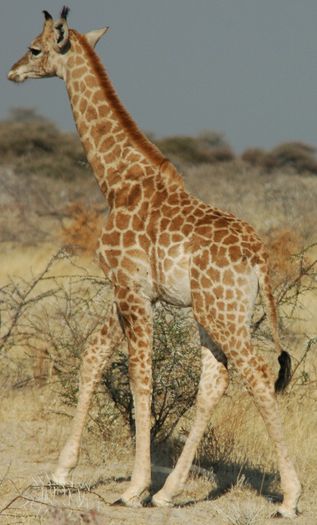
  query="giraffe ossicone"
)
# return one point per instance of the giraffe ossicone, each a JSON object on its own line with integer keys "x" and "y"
{"x": 160, "y": 243}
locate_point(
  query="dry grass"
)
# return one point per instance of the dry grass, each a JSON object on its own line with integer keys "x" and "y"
{"x": 236, "y": 448}
{"x": 34, "y": 425}
{"x": 34, "y": 420}
{"x": 267, "y": 201}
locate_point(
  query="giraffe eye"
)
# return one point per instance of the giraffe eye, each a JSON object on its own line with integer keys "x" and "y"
{"x": 35, "y": 52}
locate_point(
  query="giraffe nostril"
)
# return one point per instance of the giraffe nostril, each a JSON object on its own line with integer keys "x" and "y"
{"x": 15, "y": 76}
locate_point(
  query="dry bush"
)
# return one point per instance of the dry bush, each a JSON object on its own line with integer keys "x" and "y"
{"x": 32, "y": 144}
{"x": 52, "y": 315}
{"x": 254, "y": 156}
{"x": 57, "y": 315}
{"x": 296, "y": 156}
{"x": 176, "y": 367}
{"x": 300, "y": 157}
{"x": 208, "y": 147}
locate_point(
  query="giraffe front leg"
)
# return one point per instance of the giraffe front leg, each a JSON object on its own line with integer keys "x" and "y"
{"x": 213, "y": 383}
{"x": 95, "y": 359}
{"x": 137, "y": 315}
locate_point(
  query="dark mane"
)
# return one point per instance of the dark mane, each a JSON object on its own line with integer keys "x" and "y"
{"x": 136, "y": 135}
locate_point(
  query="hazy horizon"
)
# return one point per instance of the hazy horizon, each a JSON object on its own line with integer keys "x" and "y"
{"x": 246, "y": 69}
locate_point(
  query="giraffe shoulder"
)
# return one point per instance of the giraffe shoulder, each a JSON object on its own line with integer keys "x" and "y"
{"x": 170, "y": 175}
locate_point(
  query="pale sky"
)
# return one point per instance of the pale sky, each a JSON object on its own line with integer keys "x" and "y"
{"x": 246, "y": 68}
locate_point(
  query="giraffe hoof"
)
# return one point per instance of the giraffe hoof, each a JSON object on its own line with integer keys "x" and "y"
{"x": 284, "y": 513}
{"x": 118, "y": 503}
{"x": 159, "y": 500}
{"x": 55, "y": 482}
{"x": 135, "y": 501}
{"x": 60, "y": 477}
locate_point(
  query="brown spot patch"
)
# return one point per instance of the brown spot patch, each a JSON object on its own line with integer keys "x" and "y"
{"x": 129, "y": 238}
{"x": 134, "y": 195}
{"x": 91, "y": 113}
{"x": 111, "y": 239}
{"x": 214, "y": 274}
{"x": 90, "y": 81}
{"x": 228, "y": 278}
{"x": 218, "y": 291}
{"x": 235, "y": 253}
{"x": 186, "y": 229}
{"x": 103, "y": 111}
{"x": 122, "y": 221}
{"x": 219, "y": 235}
{"x": 79, "y": 72}
{"x": 164, "y": 239}
{"x": 205, "y": 283}
{"x": 231, "y": 239}
{"x": 83, "y": 104}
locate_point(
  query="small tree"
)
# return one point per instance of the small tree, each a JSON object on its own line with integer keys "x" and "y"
{"x": 176, "y": 366}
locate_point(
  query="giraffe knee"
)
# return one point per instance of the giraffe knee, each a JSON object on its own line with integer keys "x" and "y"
{"x": 212, "y": 387}
{"x": 222, "y": 379}
{"x": 89, "y": 370}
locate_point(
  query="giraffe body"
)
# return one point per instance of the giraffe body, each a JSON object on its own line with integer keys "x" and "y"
{"x": 159, "y": 243}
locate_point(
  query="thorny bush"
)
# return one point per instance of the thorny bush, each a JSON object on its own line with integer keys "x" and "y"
{"x": 52, "y": 316}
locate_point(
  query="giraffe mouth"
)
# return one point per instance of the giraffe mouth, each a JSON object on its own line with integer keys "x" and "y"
{"x": 14, "y": 76}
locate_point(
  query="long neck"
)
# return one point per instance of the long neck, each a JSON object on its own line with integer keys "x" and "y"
{"x": 110, "y": 137}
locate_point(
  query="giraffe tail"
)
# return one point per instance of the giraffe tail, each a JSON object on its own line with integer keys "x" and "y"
{"x": 284, "y": 359}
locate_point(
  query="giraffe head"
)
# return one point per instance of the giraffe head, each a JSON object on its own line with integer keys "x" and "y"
{"x": 48, "y": 53}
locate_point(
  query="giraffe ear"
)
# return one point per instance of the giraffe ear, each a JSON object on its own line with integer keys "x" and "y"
{"x": 94, "y": 36}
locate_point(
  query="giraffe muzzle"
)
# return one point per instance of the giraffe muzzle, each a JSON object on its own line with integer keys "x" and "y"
{"x": 14, "y": 76}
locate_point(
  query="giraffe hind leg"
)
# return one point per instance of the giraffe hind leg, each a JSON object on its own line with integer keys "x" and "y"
{"x": 260, "y": 384}
{"x": 213, "y": 383}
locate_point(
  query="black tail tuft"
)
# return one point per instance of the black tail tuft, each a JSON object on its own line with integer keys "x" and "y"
{"x": 285, "y": 372}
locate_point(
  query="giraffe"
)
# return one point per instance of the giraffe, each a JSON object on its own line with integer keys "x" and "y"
{"x": 160, "y": 243}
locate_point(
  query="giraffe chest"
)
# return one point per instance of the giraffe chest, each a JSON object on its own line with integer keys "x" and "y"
{"x": 156, "y": 270}
{"x": 128, "y": 268}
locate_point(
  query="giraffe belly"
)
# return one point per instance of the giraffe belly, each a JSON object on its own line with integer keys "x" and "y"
{"x": 176, "y": 288}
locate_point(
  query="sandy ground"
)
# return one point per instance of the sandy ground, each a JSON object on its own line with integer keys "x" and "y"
{"x": 33, "y": 428}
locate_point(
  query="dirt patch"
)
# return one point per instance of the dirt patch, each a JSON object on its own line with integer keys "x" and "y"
{"x": 34, "y": 425}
